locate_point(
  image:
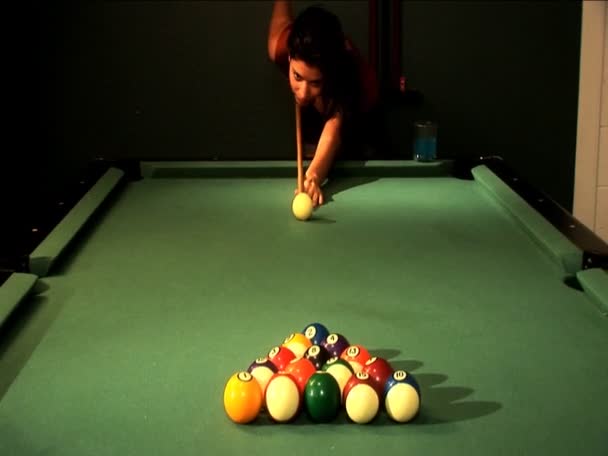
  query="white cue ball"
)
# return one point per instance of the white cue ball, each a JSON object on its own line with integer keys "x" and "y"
{"x": 302, "y": 206}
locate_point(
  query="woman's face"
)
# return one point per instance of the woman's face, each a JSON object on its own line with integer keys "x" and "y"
{"x": 306, "y": 82}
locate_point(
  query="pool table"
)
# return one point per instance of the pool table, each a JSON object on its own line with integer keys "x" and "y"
{"x": 126, "y": 308}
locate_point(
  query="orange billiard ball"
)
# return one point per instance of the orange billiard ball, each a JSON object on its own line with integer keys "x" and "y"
{"x": 242, "y": 398}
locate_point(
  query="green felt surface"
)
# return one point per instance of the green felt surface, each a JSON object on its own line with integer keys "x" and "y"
{"x": 184, "y": 281}
{"x": 13, "y": 291}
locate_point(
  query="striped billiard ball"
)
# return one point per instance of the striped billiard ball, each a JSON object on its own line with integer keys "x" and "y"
{"x": 262, "y": 369}
{"x": 402, "y": 397}
{"x": 282, "y": 398}
{"x": 361, "y": 399}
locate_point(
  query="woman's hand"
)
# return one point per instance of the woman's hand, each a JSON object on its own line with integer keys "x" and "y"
{"x": 313, "y": 189}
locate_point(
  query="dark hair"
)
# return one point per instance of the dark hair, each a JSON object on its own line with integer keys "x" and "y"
{"x": 317, "y": 39}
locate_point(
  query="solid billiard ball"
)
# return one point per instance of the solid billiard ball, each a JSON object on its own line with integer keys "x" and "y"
{"x": 379, "y": 371}
{"x": 340, "y": 370}
{"x": 356, "y": 355}
{"x": 281, "y": 356}
{"x": 361, "y": 400}
{"x": 302, "y": 206}
{"x": 402, "y": 396}
{"x": 282, "y": 397}
{"x": 335, "y": 344}
{"x": 318, "y": 355}
{"x": 301, "y": 370}
{"x": 316, "y": 332}
{"x": 262, "y": 369}
{"x": 297, "y": 343}
{"x": 322, "y": 397}
{"x": 242, "y": 398}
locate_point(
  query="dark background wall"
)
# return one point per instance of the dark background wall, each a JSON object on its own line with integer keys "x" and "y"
{"x": 163, "y": 79}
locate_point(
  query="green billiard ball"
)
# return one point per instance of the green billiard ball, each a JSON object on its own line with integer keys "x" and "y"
{"x": 322, "y": 397}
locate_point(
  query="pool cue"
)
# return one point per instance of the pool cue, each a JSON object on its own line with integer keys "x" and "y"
{"x": 299, "y": 150}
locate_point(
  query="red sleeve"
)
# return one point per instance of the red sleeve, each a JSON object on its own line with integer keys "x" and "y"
{"x": 281, "y": 56}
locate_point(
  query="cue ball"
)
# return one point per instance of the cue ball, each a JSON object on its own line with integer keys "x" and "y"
{"x": 302, "y": 206}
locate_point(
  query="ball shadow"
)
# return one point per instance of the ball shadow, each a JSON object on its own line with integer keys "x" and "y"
{"x": 386, "y": 353}
{"x": 447, "y": 404}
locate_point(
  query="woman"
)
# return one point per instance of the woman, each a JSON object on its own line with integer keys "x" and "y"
{"x": 330, "y": 81}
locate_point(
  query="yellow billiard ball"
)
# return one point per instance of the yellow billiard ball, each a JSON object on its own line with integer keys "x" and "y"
{"x": 302, "y": 206}
{"x": 242, "y": 398}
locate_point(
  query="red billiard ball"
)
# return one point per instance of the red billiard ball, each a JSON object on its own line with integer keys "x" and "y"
{"x": 379, "y": 371}
{"x": 356, "y": 356}
{"x": 318, "y": 355}
{"x": 301, "y": 370}
{"x": 281, "y": 356}
{"x": 335, "y": 344}
{"x": 361, "y": 399}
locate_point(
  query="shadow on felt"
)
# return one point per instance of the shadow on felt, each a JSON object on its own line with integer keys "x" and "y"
{"x": 23, "y": 331}
{"x": 339, "y": 184}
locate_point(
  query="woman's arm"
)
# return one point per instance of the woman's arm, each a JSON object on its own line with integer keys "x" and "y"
{"x": 282, "y": 16}
{"x": 327, "y": 148}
